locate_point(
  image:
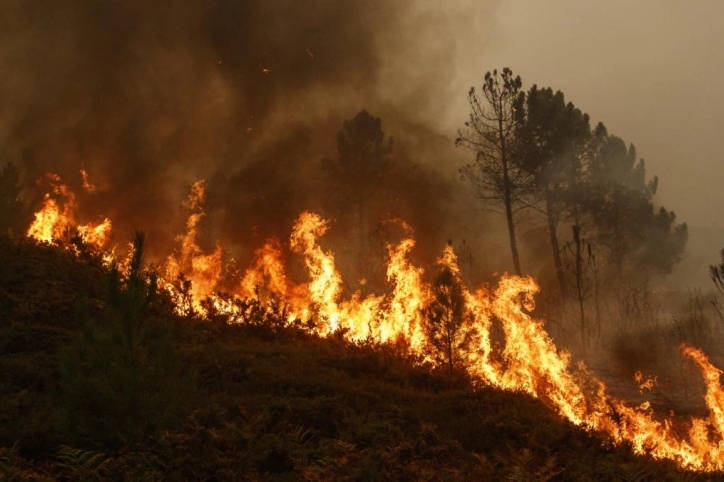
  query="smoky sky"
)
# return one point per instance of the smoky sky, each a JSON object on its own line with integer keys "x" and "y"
{"x": 166, "y": 82}
{"x": 648, "y": 69}
{"x": 149, "y": 97}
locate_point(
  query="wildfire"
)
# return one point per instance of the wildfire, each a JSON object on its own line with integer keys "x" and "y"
{"x": 56, "y": 218}
{"x": 526, "y": 359}
{"x": 202, "y": 270}
{"x": 267, "y": 271}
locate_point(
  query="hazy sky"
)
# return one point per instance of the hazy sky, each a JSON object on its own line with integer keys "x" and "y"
{"x": 650, "y": 70}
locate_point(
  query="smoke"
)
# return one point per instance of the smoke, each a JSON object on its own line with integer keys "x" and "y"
{"x": 150, "y": 96}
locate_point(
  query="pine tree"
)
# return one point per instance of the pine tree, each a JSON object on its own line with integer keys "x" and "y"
{"x": 447, "y": 326}
{"x": 496, "y": 174}
{"x": 120, "y": 377}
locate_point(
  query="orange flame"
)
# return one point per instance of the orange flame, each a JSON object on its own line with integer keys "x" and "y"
{"x": 325, "y": 284}
{"x": 529, "y": 360}
{"x": 203, "y": 270}
{"x": 87, "y": 185}
{"x": 266, "y": 271}
{"x": 57, "y": 216}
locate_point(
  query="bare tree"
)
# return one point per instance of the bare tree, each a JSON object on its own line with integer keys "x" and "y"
{"x": 585, "y": 279}
{"x": 716, "y": 271}
{"x": 495, "y": 174}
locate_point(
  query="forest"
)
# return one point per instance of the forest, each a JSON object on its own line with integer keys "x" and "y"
{"x": 243, "y": 241}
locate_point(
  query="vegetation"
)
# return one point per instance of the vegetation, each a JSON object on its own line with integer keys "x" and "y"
{"x": 552, "y": 139}
{"x": 446, "y": 323}
{"x": 119, "y": 377}
{"x": 496, "y": 174}
{"x": 261, "y": 402}
{"x": 537, "y": 153}
{"x": 363, "y": 154}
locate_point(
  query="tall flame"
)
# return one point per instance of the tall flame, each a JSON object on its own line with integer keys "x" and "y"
{"x": 266, "y": 271}
{"x": 203, "y": 270}
{"x": 325, "y": 285}
{"x": 53, "y": 219}
{"x": 528, "y": 361}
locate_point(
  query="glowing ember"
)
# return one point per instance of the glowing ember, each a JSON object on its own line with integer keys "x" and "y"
{"x": 644, "y": 383}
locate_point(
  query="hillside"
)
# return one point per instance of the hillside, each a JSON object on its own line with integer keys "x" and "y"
{"x": 211, "y": 401}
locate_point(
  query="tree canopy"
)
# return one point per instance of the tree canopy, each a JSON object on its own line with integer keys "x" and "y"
{"x": 363, "y": 154}
{"x": 537, "y": 153}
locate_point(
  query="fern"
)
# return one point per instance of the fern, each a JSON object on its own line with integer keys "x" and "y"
{"x": 524, "y": 466}
{"x": 10, "y": 462}
{"x": 635, "y": 473}
{"x": 15, "y": 468}
{"x": 300, "y": 435}
{"x": 82, "y": 464}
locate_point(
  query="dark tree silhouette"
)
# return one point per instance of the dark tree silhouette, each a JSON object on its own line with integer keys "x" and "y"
{"x": 363, "y": 154}
{"x": 495, "y": 174}
{"x": 445, "y": 323}
{"x": 535, "y": 151}
{"x": 552, "y": 140}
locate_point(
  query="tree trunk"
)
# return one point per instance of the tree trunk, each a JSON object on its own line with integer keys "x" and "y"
{"x": 449, "y": 335}
{"x": 553, "y": 232}
{"x": 511, "y": 232}
{"x": 508, "y": 197}
{"x": 579, "y": 287}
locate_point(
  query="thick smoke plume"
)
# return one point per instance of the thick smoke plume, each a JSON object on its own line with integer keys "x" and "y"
{"x": 150, "y": 96}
